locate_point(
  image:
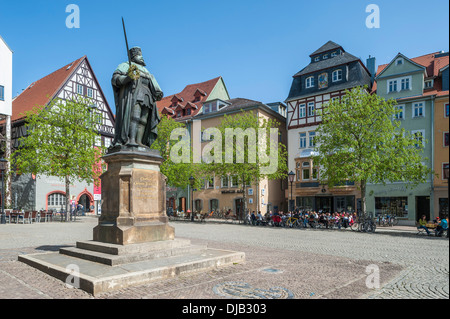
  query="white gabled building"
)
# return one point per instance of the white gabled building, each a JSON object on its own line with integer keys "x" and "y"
{"x": 6, "y": 58}
{"x": 75, "y": 78}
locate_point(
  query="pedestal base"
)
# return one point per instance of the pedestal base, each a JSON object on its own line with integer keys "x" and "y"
{"x": 125, "y": 235}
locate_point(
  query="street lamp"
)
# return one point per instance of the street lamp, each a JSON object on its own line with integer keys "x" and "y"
{"x": 3, "y": 167}
{"x": 191, "y": 182}
{"x": 291, "y": 176}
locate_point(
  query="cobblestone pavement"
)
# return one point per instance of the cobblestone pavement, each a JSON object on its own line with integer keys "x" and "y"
{"x": 288, "y": 263}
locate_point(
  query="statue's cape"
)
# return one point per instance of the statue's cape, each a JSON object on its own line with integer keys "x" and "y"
{"x": 125, "y": 99}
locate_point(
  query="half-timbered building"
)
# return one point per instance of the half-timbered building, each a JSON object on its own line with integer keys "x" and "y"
{"x": 74, "y": 79}
{"x": 330, "y": 73}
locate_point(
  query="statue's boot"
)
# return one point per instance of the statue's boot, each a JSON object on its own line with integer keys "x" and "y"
{"x": 133, "y": 131}
{"x": 140, "y": 134}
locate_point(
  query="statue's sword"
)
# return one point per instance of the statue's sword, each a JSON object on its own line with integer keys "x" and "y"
{"x": 126, "y": 42}
{"x": 134, "y": 71}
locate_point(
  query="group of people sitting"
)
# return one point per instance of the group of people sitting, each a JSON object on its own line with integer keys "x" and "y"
{"x": 304, "y": 218}
{"x": 439, "y": 225}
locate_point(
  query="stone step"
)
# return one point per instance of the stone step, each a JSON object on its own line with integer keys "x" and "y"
{"x": 115, "y": 249}
{"x": 97, "y": 278}
{"x": 115, "y": 260}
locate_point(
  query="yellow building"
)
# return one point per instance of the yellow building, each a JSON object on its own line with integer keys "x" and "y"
{"x": 224, "y": 192}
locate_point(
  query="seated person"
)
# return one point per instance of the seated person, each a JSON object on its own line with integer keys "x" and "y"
{"x": 442, "y": 225}
{"x": 423, "y": 224}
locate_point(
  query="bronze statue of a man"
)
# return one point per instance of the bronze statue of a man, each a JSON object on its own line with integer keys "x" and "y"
{"x": 135, "y": 93}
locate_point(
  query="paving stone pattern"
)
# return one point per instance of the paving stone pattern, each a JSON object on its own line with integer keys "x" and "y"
{"x": 288, "y": 263}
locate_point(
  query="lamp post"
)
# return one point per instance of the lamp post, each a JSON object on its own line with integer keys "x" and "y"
{"x": 3, "y": 167}
{"x": 291, "y": 176}
{"x": 191, "y": 182}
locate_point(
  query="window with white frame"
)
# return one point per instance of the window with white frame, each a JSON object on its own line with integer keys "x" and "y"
{"x": 107, "y": 142}
{"x": 80, "y": 89}
{"x": 224, "y": 181}
{"x": 392, "y": 86}
{"x": 399, "y": 61}
{"x": 56, "y": 201}
{"x": 337, "y": 75}
{"x": 210, "y": 182}
{"x": 325, "y": 56}
{"x": 333, "y": 54}
{"x": 90, "y": 92}
{"x": 315, "y": 173}
{"x": 312, "y": 136}
{"x": 419, "y": 136}
{"x": 302, "y": 111}
{"x": 302, "y": 140}
{"x": 234, "y": 181}
{"x": 311, "y": 109}
{"x": 399, "y": 112}
{"x": 405, "y": 84}
{"x": 418, "y": 109}
{"x": 310, "y": 82}
{"x": 317, "y": 59}
{"x": 428, "y": 84}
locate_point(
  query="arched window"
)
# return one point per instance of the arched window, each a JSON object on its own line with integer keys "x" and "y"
{"x": 56, "y": 201}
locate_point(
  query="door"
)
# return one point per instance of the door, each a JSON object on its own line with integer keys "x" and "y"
{"x": 324, "y": 204}
{"x": 239, "y": 207}
{"x": 422, "y": 207}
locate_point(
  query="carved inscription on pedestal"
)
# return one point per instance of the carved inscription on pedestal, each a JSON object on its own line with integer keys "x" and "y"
{"x": 145, "y": 193}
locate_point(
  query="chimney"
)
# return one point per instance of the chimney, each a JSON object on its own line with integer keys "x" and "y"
{"x": 370, "y": 64}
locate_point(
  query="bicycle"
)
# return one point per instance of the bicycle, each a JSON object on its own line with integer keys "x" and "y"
{"x": 291, "y": 222}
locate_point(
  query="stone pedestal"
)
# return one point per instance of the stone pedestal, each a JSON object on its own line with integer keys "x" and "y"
{"x": 133, "y": 195}
{"x": 133, "y": 243}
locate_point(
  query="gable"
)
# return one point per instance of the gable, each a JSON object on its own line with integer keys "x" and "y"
{"x": 401, "y": 65}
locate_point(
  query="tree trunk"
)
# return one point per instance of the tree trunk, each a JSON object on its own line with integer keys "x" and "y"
{"x": 67, "y": 198}
{"x": 363, "y": 196}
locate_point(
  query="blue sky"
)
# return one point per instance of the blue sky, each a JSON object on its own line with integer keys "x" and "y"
{"x": 256, "y": 46}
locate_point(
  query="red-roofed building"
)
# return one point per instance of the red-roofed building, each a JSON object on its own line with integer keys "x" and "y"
{"x": 75, "y": 78}
{"x": 186, "y": 104}
{"x": 194, "y": 99}
{"x": 420, "y": 87}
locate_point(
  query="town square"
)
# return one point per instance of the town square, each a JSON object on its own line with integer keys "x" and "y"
{"x": 246, "y": 150}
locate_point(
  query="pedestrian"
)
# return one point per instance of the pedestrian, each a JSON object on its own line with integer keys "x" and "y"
{"x": 442, "y": 225}
{"x": 423, "y": 224}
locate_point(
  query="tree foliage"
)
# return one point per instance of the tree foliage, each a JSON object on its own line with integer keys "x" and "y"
{"x": 60, "y": 142}
{"x": 359, "y": 140}
{"x": 250, "y": 155}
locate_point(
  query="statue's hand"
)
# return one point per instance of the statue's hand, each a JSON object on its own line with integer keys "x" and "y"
{"x": 133, "y": 72}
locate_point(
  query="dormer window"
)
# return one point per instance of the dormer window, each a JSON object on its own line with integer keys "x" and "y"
{"x": 337, "y": 75}
{"x": 325, "y": 56}
{"x": 316, "y": 59}
{"x": 310, "y": 82}
{"x": 176, "y": 99}
{"x": 428, "y": 84}
{"x": 333, "y": 54}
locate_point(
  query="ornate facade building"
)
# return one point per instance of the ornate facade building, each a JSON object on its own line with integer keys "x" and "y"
{"x": 330, "y": 73}
{"x": 76, "y": 78}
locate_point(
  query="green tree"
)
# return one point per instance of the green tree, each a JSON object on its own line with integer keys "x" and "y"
{"x": 177, "y": 174}
{"x": 60, "y": 142}
{"x": 246, "y": 150}
{"x": 359, "y": 140}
